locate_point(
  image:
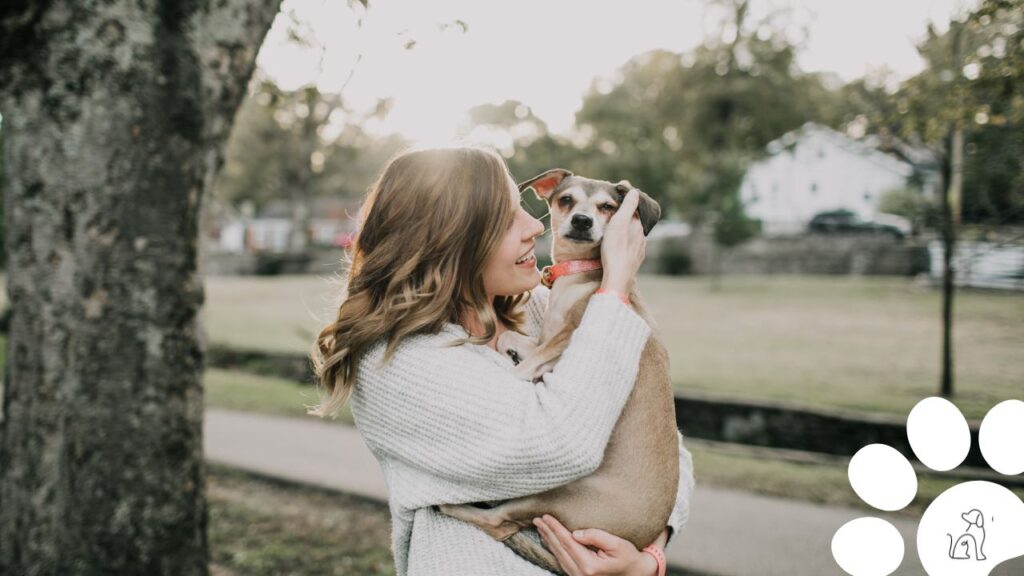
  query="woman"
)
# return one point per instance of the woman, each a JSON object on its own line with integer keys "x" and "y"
{"x": 432, "y": 283}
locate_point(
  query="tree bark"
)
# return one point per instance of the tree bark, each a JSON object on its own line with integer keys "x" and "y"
{"x": 114, "y": 121}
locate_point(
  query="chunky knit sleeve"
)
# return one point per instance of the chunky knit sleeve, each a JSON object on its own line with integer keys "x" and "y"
{"x": 455, "y": 427}
{"x": 681, "y": 511}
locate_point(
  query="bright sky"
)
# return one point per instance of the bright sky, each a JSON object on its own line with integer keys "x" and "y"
{"x": 546, "y": 53}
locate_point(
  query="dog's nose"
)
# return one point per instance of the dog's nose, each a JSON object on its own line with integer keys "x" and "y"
{"x": 581, "y": 222}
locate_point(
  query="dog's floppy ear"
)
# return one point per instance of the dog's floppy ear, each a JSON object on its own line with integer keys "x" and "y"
{"x": 649, "y": 209}
{"x": 544, "y": 183}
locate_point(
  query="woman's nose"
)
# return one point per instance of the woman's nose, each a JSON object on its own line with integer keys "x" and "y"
{"x": 537, "y": 229}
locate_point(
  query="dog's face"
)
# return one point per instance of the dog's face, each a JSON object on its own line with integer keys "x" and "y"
{"x": 580, "y": 209}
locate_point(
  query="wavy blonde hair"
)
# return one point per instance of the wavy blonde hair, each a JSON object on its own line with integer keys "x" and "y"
{"x": 426, "y": 230}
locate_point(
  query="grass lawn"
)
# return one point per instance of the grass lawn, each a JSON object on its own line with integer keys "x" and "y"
{"x": 252, "y": 393}
{"x": 870, "y": 343}
{"x": 258, "y": 527}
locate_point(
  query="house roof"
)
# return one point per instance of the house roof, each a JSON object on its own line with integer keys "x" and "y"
{"x": 890, "y": 152}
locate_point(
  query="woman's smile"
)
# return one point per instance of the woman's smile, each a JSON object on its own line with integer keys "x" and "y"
{"x": 530, "y": 260}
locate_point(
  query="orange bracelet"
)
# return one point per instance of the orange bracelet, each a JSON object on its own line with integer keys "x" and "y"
{"x": 623, "y": 297}
{"x": 659, "y": 556}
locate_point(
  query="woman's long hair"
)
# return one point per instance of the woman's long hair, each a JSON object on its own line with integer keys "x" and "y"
{"x": 426, "y": 229}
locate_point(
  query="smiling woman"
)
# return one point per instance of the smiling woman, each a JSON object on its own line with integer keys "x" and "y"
{"x": 433, "y": 281}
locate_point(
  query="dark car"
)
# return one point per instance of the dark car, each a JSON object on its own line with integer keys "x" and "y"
{"x": 847, "y": 221}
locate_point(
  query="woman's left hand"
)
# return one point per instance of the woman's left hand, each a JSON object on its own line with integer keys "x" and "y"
{"x": 614, "y": 555}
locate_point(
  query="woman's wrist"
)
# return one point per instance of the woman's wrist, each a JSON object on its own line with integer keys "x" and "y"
{"x": 615, "y": 282}
{"x": 617, "y": 293}
{"x": 654, "y": 560}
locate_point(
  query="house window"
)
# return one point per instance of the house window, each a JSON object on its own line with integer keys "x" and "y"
{"x": 821, "y": 152}
{"x": 814, "y": 188}
{"x": 867, "y": 196}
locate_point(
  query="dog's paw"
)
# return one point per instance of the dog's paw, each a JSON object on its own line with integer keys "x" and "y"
{"x": 967, "y": 530}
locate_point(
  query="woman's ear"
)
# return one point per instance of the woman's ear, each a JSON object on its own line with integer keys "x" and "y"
{"x": 544, "y": 183}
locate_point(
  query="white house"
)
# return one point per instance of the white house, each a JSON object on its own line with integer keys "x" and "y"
{"x": 238, "y": 231}
{"x": 815, "y": 168}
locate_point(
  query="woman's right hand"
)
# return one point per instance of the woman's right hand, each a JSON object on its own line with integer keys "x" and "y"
{"x": 624, "y": 245}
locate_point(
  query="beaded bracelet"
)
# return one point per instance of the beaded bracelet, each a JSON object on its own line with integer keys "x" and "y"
{"x": 621, "y": 296}
{"x": 659, "y": 557}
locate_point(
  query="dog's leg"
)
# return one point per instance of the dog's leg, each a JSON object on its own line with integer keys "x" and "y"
{"x": 515, "y": 345}
{"x": 497, "y": 523}
{"x": 545, "y": 356}
{"x": 491, "y": 520}
{"x": 534, "y": 552}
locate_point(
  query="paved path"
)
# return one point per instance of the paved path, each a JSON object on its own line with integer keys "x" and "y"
{"x": 730, "y": 533}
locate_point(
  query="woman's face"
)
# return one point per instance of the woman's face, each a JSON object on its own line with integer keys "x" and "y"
{"x": 502, "y": 276}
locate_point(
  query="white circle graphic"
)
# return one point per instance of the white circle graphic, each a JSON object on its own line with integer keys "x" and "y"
{"x": 868, "y": 547}
{"x": 1002, "y": 437}
{"x": 882, "y": 477}
{"x": 938, "y": 433}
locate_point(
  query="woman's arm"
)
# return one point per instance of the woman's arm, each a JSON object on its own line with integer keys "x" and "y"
{"x": 616, "y": 555}
{"x": 463, "y": 429}
{"x": 681, "y": 512}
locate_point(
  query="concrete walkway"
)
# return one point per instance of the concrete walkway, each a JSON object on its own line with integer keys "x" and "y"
{"x": 730, "y": 533}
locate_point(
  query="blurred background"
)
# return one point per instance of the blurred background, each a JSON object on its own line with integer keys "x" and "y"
{"x": 842, "y": 187}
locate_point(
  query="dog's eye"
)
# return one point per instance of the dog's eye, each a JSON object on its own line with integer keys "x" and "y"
{"x": 565, "y": 200}
{"x": 607, "y": 206}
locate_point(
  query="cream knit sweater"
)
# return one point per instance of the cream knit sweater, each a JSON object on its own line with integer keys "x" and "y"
{"x": 452, "y": 425}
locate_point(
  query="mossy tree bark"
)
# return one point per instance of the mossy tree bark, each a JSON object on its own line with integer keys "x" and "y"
{"x": 115, "y": 115}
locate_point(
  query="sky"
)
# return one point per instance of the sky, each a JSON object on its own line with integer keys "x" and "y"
{"x": 547, "y": 53}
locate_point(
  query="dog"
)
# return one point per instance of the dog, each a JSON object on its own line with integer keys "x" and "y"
{"x": 972, "y": 540}
{"x": 616, "y": 497}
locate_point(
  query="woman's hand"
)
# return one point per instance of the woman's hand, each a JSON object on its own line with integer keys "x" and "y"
{"x": 624, "y": 245}
{"x": 614, "y": 555}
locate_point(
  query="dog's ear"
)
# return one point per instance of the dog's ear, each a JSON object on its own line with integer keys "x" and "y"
{"x": 544, "y": 183}
{"x": 649, "y": 209}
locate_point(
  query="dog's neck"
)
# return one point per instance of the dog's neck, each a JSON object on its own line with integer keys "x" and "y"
{"x": 549, "y": 274}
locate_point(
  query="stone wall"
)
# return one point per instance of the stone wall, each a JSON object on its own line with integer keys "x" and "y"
{"x": 844, "y": 254}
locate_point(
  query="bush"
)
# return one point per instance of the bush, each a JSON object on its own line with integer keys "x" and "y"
{"x": 674, "y": 259}
{"x": 912, "y": 205}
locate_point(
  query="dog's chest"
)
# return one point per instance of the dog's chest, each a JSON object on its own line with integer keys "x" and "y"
{"x": 560, "y": 300}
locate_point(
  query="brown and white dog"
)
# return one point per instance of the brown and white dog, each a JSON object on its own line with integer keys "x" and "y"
{"x": 633, "y": 491}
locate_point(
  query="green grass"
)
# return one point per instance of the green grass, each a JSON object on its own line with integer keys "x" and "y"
{"x": 818, "y": 482}
{"x": 237, "y": 390}
{"x": 860, "y": 343}
{"x": 868, "y": 343}
{"x": 258, "y": 527}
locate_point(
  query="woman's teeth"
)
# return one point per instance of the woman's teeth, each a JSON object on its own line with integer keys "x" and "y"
{"x": 528, "y": 258}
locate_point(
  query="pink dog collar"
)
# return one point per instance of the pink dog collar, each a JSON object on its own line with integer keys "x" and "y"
{"x": 549, "y": 274}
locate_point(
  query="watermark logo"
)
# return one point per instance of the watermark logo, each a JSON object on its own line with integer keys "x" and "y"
{"x": 967, "y": 530}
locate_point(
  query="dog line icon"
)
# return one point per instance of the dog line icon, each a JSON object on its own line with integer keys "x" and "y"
{"x": 972, "y": 540}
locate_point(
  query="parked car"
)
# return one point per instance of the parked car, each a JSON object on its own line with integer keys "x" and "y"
{"x": 843, "y": 220}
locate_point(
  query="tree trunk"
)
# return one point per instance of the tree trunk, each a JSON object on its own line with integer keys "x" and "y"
{"x": 114, "y": 122}
{"x": 948, "y": 247}
{"x": 952, "y": 173}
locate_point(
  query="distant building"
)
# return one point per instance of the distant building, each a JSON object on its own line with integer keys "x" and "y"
{"x": 268, "y": 231}
{"x": 815, "y": 168}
